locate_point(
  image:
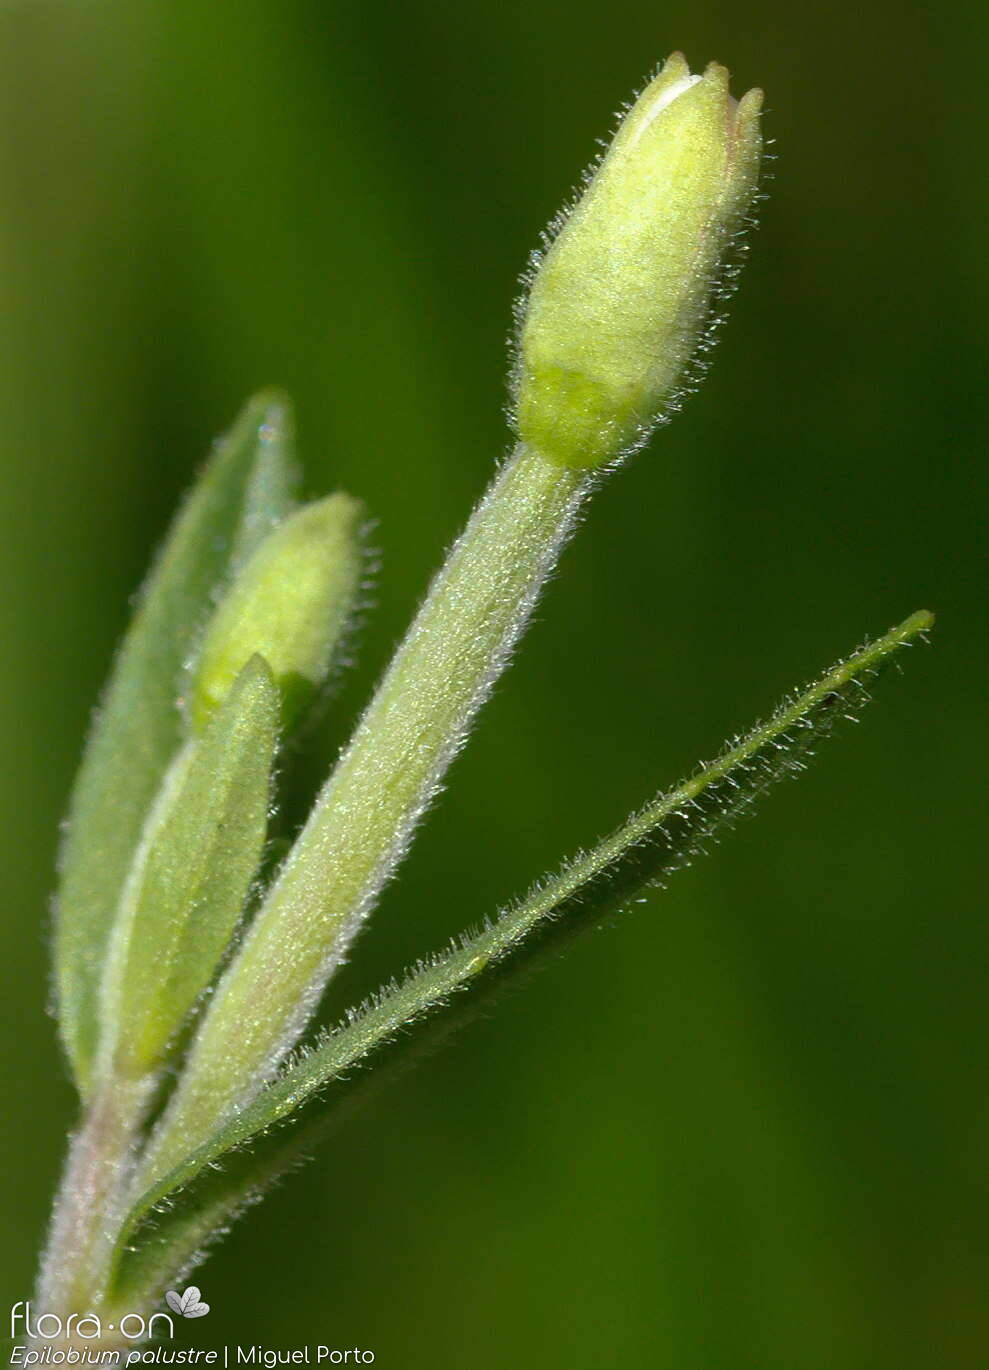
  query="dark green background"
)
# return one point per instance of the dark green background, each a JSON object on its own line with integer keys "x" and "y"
{"x": 747, "y": 1128}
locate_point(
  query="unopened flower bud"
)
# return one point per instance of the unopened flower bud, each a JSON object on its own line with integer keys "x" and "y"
{"x": 620, "y": 301}
{"x": 290, "y": 603}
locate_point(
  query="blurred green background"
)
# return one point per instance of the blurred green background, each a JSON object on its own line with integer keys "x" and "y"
{"x": 747, "y": 1127}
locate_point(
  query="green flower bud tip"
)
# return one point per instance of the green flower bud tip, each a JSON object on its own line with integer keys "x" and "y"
{"x": 619, "y": 303}
{"x": 290, "y": 603}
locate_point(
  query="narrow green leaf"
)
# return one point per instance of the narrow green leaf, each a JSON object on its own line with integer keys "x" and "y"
{"x": 244, "y": 490}
{"x": 195, "y": 863}
{"x": 166, "y": 1227}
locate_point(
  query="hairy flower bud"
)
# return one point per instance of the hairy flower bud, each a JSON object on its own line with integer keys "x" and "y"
{"x": 620, "y": 301}
{"x": 291, "y": 603}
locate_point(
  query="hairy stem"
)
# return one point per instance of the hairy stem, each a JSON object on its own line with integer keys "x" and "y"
{"x": 89, "y": 1209}
{"x": 363, "y": 820}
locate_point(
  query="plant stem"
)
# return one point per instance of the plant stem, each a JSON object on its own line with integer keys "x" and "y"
{"x": 363, "y": 820}
{"x": 88, "y": 1208}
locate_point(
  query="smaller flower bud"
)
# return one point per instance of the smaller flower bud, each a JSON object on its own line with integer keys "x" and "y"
{"x": 620, "y": 301}
{"x": 290, "y": 603}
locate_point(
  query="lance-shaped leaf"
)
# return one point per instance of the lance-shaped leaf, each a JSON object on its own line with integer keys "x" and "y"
{"x": 192, "y": 1199}
{"x": 187, "y": 888}
{"x": 244, "y": 490}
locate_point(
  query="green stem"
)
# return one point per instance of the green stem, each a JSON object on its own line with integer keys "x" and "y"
{"x": 365, "y": 816}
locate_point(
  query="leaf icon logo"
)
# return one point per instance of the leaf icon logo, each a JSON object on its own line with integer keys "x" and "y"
{"x": 187, "y": 1305}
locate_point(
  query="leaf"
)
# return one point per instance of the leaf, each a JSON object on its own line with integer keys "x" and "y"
{"x": 244, "y": 490}
{"x": 191, "y": 876}
{"x": 172, "y": 1221}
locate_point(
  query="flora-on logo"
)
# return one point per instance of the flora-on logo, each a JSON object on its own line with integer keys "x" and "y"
{"x": 189, "y": 1304}
{"x": 25, "y": 1322}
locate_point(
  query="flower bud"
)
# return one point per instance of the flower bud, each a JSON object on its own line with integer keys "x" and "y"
{"x": 290, "y": 603}
{"x": 620, "y": 301}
